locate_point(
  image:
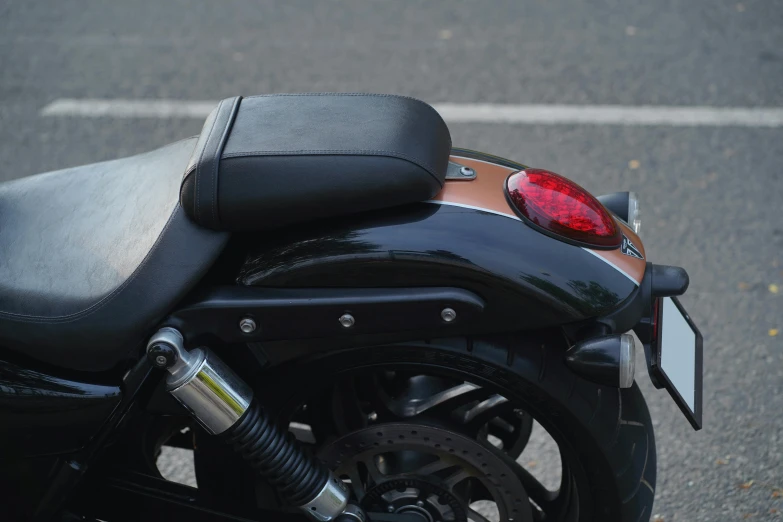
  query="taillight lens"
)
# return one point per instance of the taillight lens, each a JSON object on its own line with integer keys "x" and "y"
{"x": 562, "y": 208}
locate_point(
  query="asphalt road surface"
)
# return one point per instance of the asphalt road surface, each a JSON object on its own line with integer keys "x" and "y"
{"x": 711, "y": 196}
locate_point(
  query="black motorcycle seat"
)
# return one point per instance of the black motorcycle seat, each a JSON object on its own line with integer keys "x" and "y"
{"x": 94, "y": 257}
{"x": 267, "y": 161}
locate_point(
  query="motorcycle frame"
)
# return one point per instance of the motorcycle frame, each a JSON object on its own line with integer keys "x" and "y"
{"x": 395, "y": 272}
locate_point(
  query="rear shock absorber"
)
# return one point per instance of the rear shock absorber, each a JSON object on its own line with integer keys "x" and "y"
{"x": 224, "y": 405}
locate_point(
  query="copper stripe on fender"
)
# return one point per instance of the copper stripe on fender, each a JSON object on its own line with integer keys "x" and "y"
{"x": 487, "y": 192}
{"x": 630, "y": 266}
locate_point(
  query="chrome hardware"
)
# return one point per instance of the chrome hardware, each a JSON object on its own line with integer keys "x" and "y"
{"x": 467, "y": 172}
{"x": 161, "y": 360}
{"x": 634, "y": 214}
{"x": 448, "y": 314}
{"x": 199, "y": 380}
{"x": 347, "y": 320}
{"x": 330, "y": 502}
{"x": 247, "y": 325}
{"x": 353, "y": 513}
{"x": 218, "y": 399}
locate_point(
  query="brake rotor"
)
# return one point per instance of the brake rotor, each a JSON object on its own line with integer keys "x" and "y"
{"x": 427, "y": 471}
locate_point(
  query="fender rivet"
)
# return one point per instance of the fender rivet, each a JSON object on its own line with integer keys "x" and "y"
{"x": 347, "y": 320}
{"x": 448, "y": 314}
{"x": 247, "y": 325}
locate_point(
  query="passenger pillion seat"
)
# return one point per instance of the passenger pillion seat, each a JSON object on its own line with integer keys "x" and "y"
{"x": 92, "y": 258}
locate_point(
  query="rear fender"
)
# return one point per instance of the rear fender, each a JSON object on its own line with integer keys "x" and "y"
{"x": 466, "y": 237}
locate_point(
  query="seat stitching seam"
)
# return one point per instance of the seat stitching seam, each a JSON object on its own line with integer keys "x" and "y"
{"x": 218, "y": 152}
{"x": 96, "y": 306}
{"x": 369, "y": 152}
{"x": 201, "y": 156}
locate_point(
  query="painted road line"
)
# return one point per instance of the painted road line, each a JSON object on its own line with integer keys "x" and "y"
{"x": 95, "y": 108}
{"x": 684, "y": 116}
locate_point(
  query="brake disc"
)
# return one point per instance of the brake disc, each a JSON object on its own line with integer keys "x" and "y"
{"x": 427, "y": 471}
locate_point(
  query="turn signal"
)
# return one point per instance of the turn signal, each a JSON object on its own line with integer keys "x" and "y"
{"x": 606, "y": 360}
{"x": 559, "y": 207}
{"x": 625, "y": 205}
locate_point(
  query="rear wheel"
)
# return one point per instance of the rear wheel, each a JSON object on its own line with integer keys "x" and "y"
{"x": 435, "y": 429}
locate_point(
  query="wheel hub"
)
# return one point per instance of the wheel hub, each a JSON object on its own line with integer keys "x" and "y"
{"x": 425, "y": 471}
{"x": 429, "y": 502}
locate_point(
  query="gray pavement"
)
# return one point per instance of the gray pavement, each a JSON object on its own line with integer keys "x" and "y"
{"x": 711, "y": 197}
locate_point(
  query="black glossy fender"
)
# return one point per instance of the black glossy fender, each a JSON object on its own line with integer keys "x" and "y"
{"x": 44, "y": 419}
{"x": 527, "y": 279}
{"x": 42, "y": 414}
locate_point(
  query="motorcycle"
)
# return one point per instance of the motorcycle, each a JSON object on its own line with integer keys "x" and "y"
{"x": 344, "y": 317}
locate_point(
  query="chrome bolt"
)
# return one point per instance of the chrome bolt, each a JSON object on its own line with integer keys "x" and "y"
{"x": 448, "y": 315}
{"x": 420, "y": 503}
{"x": 161, "y": 360}
{"x": 247, "y": 325}
{"x": 347, "y": 320}
{"x": 390, "y": 509}
{"x": 372, "y": 417}
{"x": 466, "y": 171}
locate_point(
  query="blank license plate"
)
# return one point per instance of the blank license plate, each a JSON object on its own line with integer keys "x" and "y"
{"x": 677, "y": 358}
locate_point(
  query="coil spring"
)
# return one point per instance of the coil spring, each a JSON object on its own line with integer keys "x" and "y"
{"x": 277, "y": 456}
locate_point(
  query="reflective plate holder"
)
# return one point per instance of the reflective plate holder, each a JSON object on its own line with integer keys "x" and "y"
{"x": 676, "y": 358}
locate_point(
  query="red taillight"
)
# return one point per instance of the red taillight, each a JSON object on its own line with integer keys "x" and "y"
{"x": 561, "y": 207}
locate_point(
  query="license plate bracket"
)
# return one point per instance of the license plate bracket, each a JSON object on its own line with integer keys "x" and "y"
{"x": 676, "y": 357}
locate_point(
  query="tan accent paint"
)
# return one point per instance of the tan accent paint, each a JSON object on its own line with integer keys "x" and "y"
{"x": 630, "y": 265}
{"x": 487, "y": 191}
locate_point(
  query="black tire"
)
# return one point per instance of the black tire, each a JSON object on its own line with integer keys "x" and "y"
{"x": 606, "y": 433}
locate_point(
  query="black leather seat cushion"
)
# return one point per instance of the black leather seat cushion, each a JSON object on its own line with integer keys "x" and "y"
{"x": 268, "y": 161}
{"x": 93, "y": 257}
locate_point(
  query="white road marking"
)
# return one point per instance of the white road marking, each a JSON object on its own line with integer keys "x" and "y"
{"x": 684, "y": 116}
{"x": 94, "y": 108}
